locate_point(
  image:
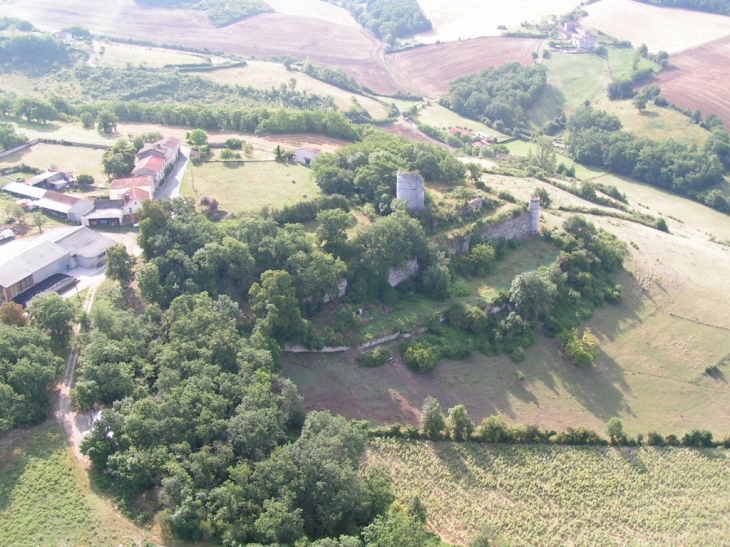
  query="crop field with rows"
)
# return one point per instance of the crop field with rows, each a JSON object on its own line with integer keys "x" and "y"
{"x": 557, "y": 496}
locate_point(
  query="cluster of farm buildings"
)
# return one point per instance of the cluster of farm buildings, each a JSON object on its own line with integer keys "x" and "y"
{"x": 44, "y": 191}
{"x": 31, "y": 266}
{"x": 576, "y": 36}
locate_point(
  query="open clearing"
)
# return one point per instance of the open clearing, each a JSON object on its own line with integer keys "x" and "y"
{"x": 557, "y": 496}
{"x": 668, "y": 29}
{"x": 438, "y": 116}
{"x": 477, "y": 18}
{"x": 248, "y": 187}
{"x": 697, "y": 79}
{"x": 120, "y": 55}
{"x": 650, "y": 371}
{"x": 46, "y": 498}
{"x": 654, "y": 122}
{"x": 428, "y": 70}
{"x": 578, "y": 77}
{"x": 344, "y": 45}
{"x": 79, "y": 160}
{"x": 264, "y": 75}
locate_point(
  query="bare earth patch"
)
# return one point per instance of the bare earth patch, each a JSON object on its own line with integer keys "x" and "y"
{"x": 429, "y": 69}
{"x": 668, "y": 29}
{"x": 698, "y": 78}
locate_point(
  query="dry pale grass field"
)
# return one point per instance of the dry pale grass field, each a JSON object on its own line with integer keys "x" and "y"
{"x": 67, "y": 158}
{"x": 654, "y": 122}
{"x": 317, "y": 9}
{"x": 265, "y": 75}
{"x": 337, "y": 44}
{"x": 120, "y": 55}
{"x": 476, "y": 18}
{"x": 428, "y": 70}
{"x": 668, "y": 29}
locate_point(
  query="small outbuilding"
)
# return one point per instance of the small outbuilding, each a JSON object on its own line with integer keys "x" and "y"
{"x": 306, "y": 155}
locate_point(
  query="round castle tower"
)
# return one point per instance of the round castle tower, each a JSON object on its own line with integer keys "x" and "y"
{"x": 409, "y": 187}
{"x": 534, "y": 216}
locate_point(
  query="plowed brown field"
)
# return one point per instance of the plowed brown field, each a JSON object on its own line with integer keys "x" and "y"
{"x": 699, "y": 78}
{"x": 320, "y": 38}
{"x": 429, "y": 69}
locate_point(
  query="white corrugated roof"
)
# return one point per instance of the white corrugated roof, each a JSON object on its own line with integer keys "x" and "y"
{"x": 24, "y": 190}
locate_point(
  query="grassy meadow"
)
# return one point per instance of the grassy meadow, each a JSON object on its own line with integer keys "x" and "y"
{"x": 46, "y": 498}
{"x": 443, "y": 118}
{"x": 78, "y": 160}
{"x": 558, "y": 496}
{"x": 265, "y": 75}
{"x": 247, "y": 187}
{"x": 577, "y": 77}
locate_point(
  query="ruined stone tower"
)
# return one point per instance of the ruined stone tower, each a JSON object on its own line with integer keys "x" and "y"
{"x": 410, "y": 188}
{"x": 534, "y": 216}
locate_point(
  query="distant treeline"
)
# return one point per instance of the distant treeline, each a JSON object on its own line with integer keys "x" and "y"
{"x": 139, "y": 83}
{"x": 244, "y": 120}
{"x": 596, "y": 139}
{"x": 710, "y": 6}
{"x": 388, "y": 19}
{"x": 333, "y": 76}
{"x": 33, "y": 51}
{"x": 220, "y": 12}
{"x": 498, "y": 95}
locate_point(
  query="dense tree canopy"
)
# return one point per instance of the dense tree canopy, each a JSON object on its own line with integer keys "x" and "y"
{"x": 499, "y": 95}
{"x": 28, "y": 368}
{"x": 596, "y": 139}
{"x": 388, "y": 19}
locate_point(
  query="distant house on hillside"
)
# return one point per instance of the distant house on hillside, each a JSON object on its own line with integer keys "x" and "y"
{"x": 306, "y": 155}
{"x": 584, "y": 39}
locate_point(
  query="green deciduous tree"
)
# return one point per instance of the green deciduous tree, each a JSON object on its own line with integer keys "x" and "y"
{"x": 432, "y": 419}
{"x": 197, "y": 137}
{"x": 120, "y": 265}
{"x": 13, "y": 314}
{"x": 615, "y": 431}
{"x": 119, "y": 160}
{"x": 106, "y": 121}
{"x": 50, "y": 312}
{"x": 460, "y": 424}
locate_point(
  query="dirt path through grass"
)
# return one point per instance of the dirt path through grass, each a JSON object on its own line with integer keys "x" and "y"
{"x": 75, "y": 424}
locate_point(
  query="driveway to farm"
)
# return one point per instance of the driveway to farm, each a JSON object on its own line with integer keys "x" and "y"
{"x": 172, "y": 188}
{"x": 75, "y": 424}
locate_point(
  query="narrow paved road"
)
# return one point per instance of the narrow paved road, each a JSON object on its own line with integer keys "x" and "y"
{"x": 174, "y": 181}
{"x": 74, "y": 424}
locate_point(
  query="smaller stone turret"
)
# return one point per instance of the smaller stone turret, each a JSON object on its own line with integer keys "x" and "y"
{"x": 410, "y": 188}
{"x": 534, "y": 216}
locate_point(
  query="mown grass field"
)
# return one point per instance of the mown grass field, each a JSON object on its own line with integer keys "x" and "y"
{"x": 523, "y": 148}
{"x": 78, "y": 160}
{"x": 46, "y": 498}
{"x": 443, "y": 118}
{"x": 578, "y": 77}
{"x": 247, "y": 187}
{"x": 558, "y": 496}
{"x": 655, "y": 123}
